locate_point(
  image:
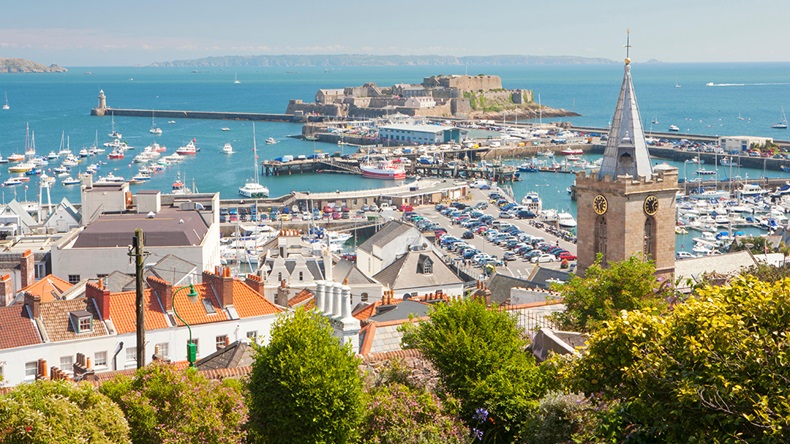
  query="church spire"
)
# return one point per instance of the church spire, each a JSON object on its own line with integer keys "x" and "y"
{"x": 626, "y": 150}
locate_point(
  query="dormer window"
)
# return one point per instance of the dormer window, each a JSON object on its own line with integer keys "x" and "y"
{"x": 425, "y": 265}
{"x": 81, "y": 321}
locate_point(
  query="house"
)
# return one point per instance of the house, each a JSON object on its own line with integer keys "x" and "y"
{"x": 15, "y": 220}
{"x": 419, "y": 273}
{"x": 391, "y": 241}
{"x": 187, "y": 228}
{"x": 63, "y": 218}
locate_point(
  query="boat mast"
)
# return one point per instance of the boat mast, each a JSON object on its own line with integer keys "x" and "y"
{"x": 254, "y": 153}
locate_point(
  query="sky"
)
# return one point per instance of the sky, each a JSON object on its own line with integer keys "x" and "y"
{"x": 141, "y": 32}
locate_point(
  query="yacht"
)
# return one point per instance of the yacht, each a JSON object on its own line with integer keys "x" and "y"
{"x": 70, "y": 181}
{"x": 157, "y": 131}
{"x": 674, "y": 128}
{"x": 271, "y": 141}
{"x": 110, "y": 178}
{"x": 532, "y": 202}
{"x": 189, "y": 148}
{"x": 12, "y": 181}
{"x": 782, "y": 124}
{"x": 252, "y": 188}
{"x": 52, "y": 155}
{"x": 566, "y": 220}
{"x": 227, "y": 149}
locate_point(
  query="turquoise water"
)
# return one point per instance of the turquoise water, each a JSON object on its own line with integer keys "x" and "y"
{"x": 54, "y": 103}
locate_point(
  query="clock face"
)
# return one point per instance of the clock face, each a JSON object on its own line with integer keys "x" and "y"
{"x": 651, "y": 205}
{"x": 599, "y": 204}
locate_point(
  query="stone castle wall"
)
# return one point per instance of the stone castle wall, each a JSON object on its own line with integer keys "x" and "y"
{"x": 464, "y": 83}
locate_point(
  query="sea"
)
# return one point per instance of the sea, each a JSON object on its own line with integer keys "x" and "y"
{"x": 710, "y": 98}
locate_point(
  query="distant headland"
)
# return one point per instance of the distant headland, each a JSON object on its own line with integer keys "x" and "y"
{"x": 337, "y": 60}
{"x": 22, "y": 65}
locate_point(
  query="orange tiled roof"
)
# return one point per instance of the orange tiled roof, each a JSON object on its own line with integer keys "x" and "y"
{"x": 16, "y": 328}
{"x": 250, "y": 303}
{"x": 49, "y": 288}
{"x": 300, "y": 297}
{"x": 368, "y": 311}
{"x": 123, "y": 312}
{"x": 196, "y": 312}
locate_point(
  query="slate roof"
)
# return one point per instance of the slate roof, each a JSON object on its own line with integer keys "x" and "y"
{"x": 236, "y": 354}
{"x": 118, "y": 282}
{"x": 49, "y": 288}
{"x": 348, "y": 270}
{"x": 500, "y": 285}
{"x": 25, "y": 219}
{"x": 388, "y": 233}
{"x": 721, "y": 264}
{"x": 543, "y": 277}
{"x": 403, "y": 272}
{"x": 171, "y": 269}
{"x": 58, "y": 326}
{"x": 16, "y": 328}
{"x": 402, "y": 311}
{"x": 171, "y": 227}
{"x": 69, "y": 208}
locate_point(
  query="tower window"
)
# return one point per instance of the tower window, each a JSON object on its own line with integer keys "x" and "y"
{"x": 600, "y": 236}
{"x": 648, "y": 250}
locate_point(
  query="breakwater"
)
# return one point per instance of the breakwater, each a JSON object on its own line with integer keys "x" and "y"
{"x": 186, "y": 114}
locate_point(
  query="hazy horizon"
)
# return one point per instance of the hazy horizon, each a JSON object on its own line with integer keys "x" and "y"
{"x": 90, "y": 33}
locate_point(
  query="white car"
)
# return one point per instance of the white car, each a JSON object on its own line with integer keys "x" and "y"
{"x": 685, "y": 255}
{"x": 544, "y": 258}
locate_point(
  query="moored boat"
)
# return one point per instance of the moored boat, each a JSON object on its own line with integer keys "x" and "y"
{"x": 187, "y": 149}
{"x": 382, "y": 169}
{"x": 227, "y": 149}
{"x": 252, "y": 189}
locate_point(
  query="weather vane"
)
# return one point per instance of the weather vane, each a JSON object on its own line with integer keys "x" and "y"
{"x": 628, "y": 46}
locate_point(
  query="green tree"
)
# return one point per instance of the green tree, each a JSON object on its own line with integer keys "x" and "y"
{"x": 603, "y": 292}
{"x": 164, "y": 404}
{"x": 44, "y": 412}
{"x": 755, "y": 244}
{"x": 481, "y": 358}
{"x": 305, "y": 386}
{"x": 715, "y": 369}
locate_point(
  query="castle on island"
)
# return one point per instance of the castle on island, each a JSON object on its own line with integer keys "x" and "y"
{"x": 436, "y": 96}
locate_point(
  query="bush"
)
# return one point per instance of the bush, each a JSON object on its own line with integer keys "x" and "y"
{"x": 560, "y": 418}
{"x": 45, "y": 412}
{"x": 305, "y": 386}
{"x": 164, "y": 404}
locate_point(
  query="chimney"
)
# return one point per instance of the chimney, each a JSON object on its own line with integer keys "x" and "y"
{"x": 27, "y": 269}
{"x": 34, "y": 304}
{"x": 255, "y": 282}
{"x": 439, "y": 295}
{"x": 222, "y": 283}
{"x": 101, "y": 296}
{"x": 164, "y": 290}
{"x": 43, "y": 370}
{"x": 319, "y": 296}
{"x": 281, "y": 298}
{"x": 6, "y": 290}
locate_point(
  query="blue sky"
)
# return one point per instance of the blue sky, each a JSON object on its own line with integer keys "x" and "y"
{"x": 123, "y": 33}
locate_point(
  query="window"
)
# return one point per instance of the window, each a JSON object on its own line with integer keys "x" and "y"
{"x": 364, "y": 297}
{"x": 131, "y": 356}
{"x": 74, "y": 278}
{"x": 209, "y": 306}
{"x": 648, "y": 248}
{"x": 31, "y": 369}
{"x": 220, "y": 341}
{"x": 301, "y": 276}
{"x": 164, "y": 349}
{"x": 101, "y": 275}
{"x": 67, "y": 363}
{"x": 600, "y": 237}
{"x": 86, "y": 324}
{"x": 41, "y": 270}
{"x": 100, "y": 359}
{"x": 252, "y": 335}
{"x": 81, "y": 321}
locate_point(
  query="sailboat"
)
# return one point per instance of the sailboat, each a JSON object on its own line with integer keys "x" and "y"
{"x": 114, "y": 134}
{"x": 154, "y": 129}
{"x": 782, "y": 124}
{"x": 6, "y": 106}
{"x": 236, "y": 79}
{"x": 252, "y": 188}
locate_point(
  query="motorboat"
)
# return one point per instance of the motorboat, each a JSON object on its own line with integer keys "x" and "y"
{"x": 727, "y": 161}
{"x": 116, "y": 154}
{"x": 16, "y": 157}
{"x": 110, "y": 178}
{"x": 140, "y": 178}
{"x": 157, "y": 131}
{"x": 70, "y": 181}
{"x": 188, "y": 149}
{"x": 271, "y": 141}
{"x": 12, "y": 181}
{"x": 674, "y": 128}
{"x": 21, "y": 167}
{"x": 252, "y": 189}
{"x": 52, "y": 155}
{"x": 566, "y": 220}
{"x": 225, "y": 128}
{"x": 532, "y": 202}
{"x": 155, "y": 147}
{"x": 571, "y": 151}
{"x": 227, "y": 149}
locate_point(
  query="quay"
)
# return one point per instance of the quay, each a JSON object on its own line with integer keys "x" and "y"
{"x": 185, "y": 114}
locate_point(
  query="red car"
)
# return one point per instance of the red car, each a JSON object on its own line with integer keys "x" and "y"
{"x": 406, "y": 208}
{"x": 567, "y": 256}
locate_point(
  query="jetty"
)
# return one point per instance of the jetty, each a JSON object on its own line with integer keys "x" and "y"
{"x": 187, "y": 114}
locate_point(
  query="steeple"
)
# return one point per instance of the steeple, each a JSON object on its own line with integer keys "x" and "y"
{"x": 626, "y": 150}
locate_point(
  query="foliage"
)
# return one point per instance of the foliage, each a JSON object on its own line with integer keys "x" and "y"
{"x": 560, "y": 418}
{"x": 715, "y": 369}
{"x": 164, "y": 404}
{"x": 305, "y": 386}
{"x": 755, "y": 244}
{"x": 604, "y": 292}
{"x": 480, "y": 355}
{"x": 60, "y": 411}
{"x": 398, "y": 414}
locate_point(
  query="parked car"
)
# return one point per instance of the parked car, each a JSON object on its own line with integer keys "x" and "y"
{"x": 544, "y": 258}
{"x": 468, "y": 235}
{"x": 567, "y": 256}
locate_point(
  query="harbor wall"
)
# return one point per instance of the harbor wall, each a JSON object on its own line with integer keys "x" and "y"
{"x": 184, "y": 114}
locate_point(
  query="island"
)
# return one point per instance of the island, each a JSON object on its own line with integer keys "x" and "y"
{"x": 23, "y": 65}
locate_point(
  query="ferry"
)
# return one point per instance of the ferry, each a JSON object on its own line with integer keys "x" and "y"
{"x": 382, "y": 169}
{"x": 189, "y": 148}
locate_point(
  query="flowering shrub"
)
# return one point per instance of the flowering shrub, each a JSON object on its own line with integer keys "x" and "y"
{"x": 47, "y": 412}
{"x": 399, "y": 414}
{"x": 164, "y": 404}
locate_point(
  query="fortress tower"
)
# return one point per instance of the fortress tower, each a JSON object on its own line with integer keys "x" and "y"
{"x": 627, "y": 207}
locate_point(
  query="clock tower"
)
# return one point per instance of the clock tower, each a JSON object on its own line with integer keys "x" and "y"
{"x": 627, "y": 207}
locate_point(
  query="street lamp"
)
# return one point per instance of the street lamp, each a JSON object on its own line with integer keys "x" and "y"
{"x": 191, "y": 347}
